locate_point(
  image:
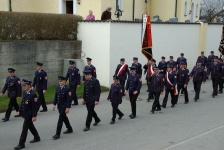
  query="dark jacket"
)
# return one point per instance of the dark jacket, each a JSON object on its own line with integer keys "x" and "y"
{"x": 198, "y": 73}
{"x": 172, "y": 78}
{"x": 29, "y": 105}
{"x": 115, "y": 94}
{"x": 134, "y": 83}
{"x": 182, "y": 76}
{"x": 138, "y": 68}
{"x": 157, "y": 85}
{"x": 124, "y": 74}
{"x": 73, "y": 75}
{"x": 40, "y": 80}
{"x": 63, "y": 97}
{"x": 92, "y": 90}
{"x": 106, "y": 15}
{"x": 203, "y": 59}
{"x": 92, "y": 68}
{"x": 216, "y": 70}
{"x": 13, "y": 85}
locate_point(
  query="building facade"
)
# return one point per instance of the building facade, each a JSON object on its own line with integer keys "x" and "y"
{"x": 184, "y": 10}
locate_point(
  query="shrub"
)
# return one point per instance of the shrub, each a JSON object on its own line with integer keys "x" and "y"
{"x": 38, "y": 26}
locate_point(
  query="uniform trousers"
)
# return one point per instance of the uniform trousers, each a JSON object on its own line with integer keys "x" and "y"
{"x": 156, "y": 103}
{"x": 62, "y": 119}
{"x": 181, "y": 87}
{"x": 122, "y": 83}
{"x": 197, "y": 88}
{"x": 167, "y": 92}
{"x": 28, "y": 125}
{"x": 41, "y": 100}
{"x": 74, "y": 96}
{"x": 215, "y": 82}
{"x": 133, "y": 99}
{"x": 12, "y": 103}
{"x": 91, "y": 113}
{"x": 115, "y": 111}
{"x": 221, "y": 82}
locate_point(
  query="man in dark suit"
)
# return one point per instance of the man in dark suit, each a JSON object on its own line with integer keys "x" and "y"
{"x": 138, "y": 66}
{"x": 210, "y": 61}
{"x": 90, "y": 67}
{"x": 203, "y": 59}
{"x": 181, "y": 59}
{"x": 91, "y": 97}
{"x": 162, "y": 66}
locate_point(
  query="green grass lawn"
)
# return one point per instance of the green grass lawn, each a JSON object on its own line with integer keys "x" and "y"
{"x": 49, "y": 96}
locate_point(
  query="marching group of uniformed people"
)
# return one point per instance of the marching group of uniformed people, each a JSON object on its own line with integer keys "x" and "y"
{"x": 173, "y": 76}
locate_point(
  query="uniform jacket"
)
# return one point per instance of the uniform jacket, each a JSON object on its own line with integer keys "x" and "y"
{"x": 115, "y": 94}
{"x": 162, "y": 66}
{"x": 173, "y": 63}
{"x": 13, "y": 85}
{"x": 182, "y": 76}
{"x": 179, "y": 59}
{"x": 40, "y": 80}
{"x": 124, "y": 74}
{"x": 91, "y": 90}
{"x": 199, "y": 74}
{"x": 92, "y": 68}
{"x": 73, "y": 75}
{"x": 203, "y": 59}
{"x": 157, "y": 85}
{"x": 62, "y": 97}
{"x": 216, "y": 70}
{"x": 29, "y": 105}
{"x": 138, "y": 68}
{"x": 145, "y": 67}
{"x": 210, "y": 60}
{"x": 172, "y": 78}
{"x": 134, "y": 83}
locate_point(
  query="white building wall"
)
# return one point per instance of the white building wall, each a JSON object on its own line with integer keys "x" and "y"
{"x": 213, "y": 38}
{"x": 107, "y": 42}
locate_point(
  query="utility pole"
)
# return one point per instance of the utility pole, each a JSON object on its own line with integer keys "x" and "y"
{"x": 10, "y": 5}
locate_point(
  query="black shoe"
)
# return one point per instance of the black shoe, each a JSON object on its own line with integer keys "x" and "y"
{"x": 213, "y": 95}
{"x": 152, "y": 111}
{"x": 17, "y": 116}
{"x": 95, "y": 124}
{"x": 112, "y": 122}
{"x": 86, "y": 129}
{"x": 132, "y": 116}
{"x": 19, "y": 147}
{"x": 5, "y": 119}
{"x": 55, "y": 137}
{"x": 185, "y": 102}
{"x": 68, "y": 131}
{"x": 163, "y": 106}
{"x": 35, "y": 140}
{"x": 195, "y": 99}
{"x": 120, "y": 117}
{"x": 172, "y": 105}
{"x": 158, "y": 110}
{"x": 43, "y": 110}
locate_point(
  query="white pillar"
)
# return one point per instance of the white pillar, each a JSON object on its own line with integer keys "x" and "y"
{"x": 60, "y": 6}
{"x": 74, "y": 7}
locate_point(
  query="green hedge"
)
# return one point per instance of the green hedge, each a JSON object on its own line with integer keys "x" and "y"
{"x": 38, "y": 26}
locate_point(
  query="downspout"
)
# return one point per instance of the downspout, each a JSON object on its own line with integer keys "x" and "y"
{"x": 176, "y": 9}
{"x": 10, "y": 5}
{"x": 133, "y": 15}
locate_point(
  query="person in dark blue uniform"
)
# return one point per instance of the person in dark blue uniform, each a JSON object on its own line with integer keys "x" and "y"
{"x": 181, "y": 59}
{"x": 216, "y": 73}
{"x": 90, "y": 67}
{"x": 40, "y": 83}
{"x": 122, "y": 72}
{"x": 13, "y": 85}
{"x": 170, "y": 83}
{"x": 157, "y": 89}
{"x": 63, "y": 100}
{"x": 221, "y": 82}
{"x": 28, "y": 110}
{"x": 133, "y": 86}
{"x": 171, "y": 62}
{"x": 138, "y": 66}
{"x": 199, "y": 76}
{"x": 210, "y": 61}
{"x": 73, "y": 75}
{"x": 182, "y": 81}
{"x": 162, "y": 66}
{"x": 115, "y": 97}
{"x": 203, "y": 59}
{"x": 91, "y": 97}
{"x": 148, "y": 79}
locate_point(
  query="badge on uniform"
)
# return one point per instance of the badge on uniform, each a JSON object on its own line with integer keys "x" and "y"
{"x": 35, "y": 99}
{"x": 40, "y": 78}
{"x": 26, "y": 101}
{"x": 46, "y": 78}
{"x": 70, "y": 93}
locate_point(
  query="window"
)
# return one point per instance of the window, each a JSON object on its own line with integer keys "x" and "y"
{"x": 196, "y": 10}
{"x": 69, "y": 7}
{"x": 121, "y": 4}
{"x": 185, "y": 9}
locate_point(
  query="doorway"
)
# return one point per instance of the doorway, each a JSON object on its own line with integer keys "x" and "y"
{"x": 69, "y": 7}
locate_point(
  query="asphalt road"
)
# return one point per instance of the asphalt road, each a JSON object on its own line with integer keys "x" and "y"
{"x": 193, "y": 126}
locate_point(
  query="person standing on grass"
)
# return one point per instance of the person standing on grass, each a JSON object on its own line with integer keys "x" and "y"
{"x": 73, "y": 75}
{"x": 63, "y": 100}
{"x": 13, "y": 86}
{"x": 40, "y": 82}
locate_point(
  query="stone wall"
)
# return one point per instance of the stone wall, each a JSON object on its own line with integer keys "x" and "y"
{"x": 22, "y": 56}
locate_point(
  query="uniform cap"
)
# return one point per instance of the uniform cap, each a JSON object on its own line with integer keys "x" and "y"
{"x": 115, "y": 77}
{"x": 182, "y": 63}
{"x": 61, "y": 78}
{"x": 169, "y": 66}
{"x": 71, "y": 62}
{"x": 154, "y": 60}
{"x": 202, "y": 52}
{"x": 39, "y": 63}
{"x": 155, "y": 68}
{"x": 212, "y": 52}
{"x": 171, "y": 56}
{"x": 199, "y": 61}
{"x": 86, "y": 72}
{"x": 135, "y": 58}
{"x": 132, "y": 68}
{"x": 11, "y": 70}
{"x": 216, "y": 57}
{"x": 26, "y": 82}
{"x": 181, "y": 54}
{"x": 89, "y": 59}
{"x": 163, "y": 57}
{"x": 122, "y": 59}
